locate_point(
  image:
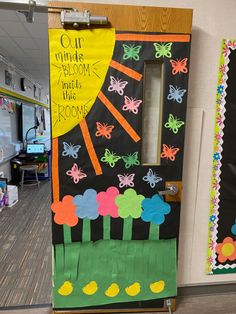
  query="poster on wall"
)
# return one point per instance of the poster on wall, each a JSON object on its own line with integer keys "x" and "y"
{"x": 221, "y": 258}
{"x": 114, "y": 236}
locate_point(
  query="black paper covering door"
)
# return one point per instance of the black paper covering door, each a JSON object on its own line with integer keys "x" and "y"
{"x": 114, "y": 236}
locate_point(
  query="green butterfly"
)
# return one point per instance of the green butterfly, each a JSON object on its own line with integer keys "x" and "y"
{"x": 173, "y": 124}
{"x": 131, "y": 52}
{"x": 110, "y": 158}
{"x": 131, "y": 160}
{"x": 163, "y": 50}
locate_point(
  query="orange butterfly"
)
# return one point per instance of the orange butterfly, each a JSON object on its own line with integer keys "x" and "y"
{"x": 169, "y": 152}
{"x": 104, "y": 130}
{"x": 179, "y": 66}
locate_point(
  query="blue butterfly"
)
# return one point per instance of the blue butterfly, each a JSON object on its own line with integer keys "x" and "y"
{"x": 176, "y": 94}
{"x": 152, "y": 178}
{"x": 71, "y": 150}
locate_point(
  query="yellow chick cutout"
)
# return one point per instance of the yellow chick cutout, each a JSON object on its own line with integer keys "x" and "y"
{"x": 113, "y": 290}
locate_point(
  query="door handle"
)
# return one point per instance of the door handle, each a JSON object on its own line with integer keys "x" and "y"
{"x": 171, "y": 189}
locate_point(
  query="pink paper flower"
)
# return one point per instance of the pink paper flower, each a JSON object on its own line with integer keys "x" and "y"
{"x": 106, "y": 201}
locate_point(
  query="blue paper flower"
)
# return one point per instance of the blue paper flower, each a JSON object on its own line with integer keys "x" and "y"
{"x": 216, "y": 156}
{"x": 220, "y": 89}
{"x": 233, "y": 228}
{"x": 155, "y": 209}
{"x": 87, "y": 205}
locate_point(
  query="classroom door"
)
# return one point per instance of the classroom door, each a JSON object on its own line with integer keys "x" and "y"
{"x": 118, "y": 104}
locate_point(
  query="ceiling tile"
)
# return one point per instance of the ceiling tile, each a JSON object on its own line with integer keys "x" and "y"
{"x": 37, "y": 30}
{"x": 38, "y": 17}
{"x": 35, "y": 53}
{"x": 14, "y": 29}
{"x": 41, "y": 43}
{"x": 8, "y": 15}
{"x": 2, "y": 33}
{"x": 11, "y": 47}
{"x": 25, "y": 42}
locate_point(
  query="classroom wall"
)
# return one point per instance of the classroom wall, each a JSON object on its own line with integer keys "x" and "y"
{"x": 8, "y": 121}
{"x": 213, "y": 20}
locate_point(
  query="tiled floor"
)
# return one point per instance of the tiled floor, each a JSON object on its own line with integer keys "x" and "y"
{"x": 205, "y": 304}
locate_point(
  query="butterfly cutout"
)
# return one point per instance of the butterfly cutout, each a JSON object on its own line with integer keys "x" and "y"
{"x": 131, "y": 52}
{"x": 163, "y": 50}
{"x": 71, "y": 150}
{"x": 179, "y": 66}
{"x": 131, "y": 160}
{"x": 117, "y": 85}
{"x": 76, "y": 173}
{"x": 126, "y": 180}
{"x": 169, "y": 152}
{"x": 131, "y": 104}
{"x": 152, "y": 178}
{"x": 176, "y": 94}
{"x": 173, "y": 124}
{"x": 110, "y": 158}
{"x": 104, "y": 130}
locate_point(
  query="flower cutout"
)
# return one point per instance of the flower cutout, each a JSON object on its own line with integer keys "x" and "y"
{"x": 233, "y": 228}
{"x": 129, "y": 204}
{"x": 65, "y": 211}
{"x": 106, "y": 202}
{"x": 218, "y": 136}
{"x": 87, "y": 205}
{"x": 155, "y": 209}
{"x": 226, "y": 250}
{"x": 216, "y": 156}
{"x": 220, "y": 89}
{"x": 212, "y": 218}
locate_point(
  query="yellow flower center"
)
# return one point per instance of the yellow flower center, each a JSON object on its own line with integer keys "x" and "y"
{"x": 228, "y": 249}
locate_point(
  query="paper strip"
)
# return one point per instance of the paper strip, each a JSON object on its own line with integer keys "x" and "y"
{"x": 90, "y": 148}
{"x": 162, "y": 38}
{"x": 153, "y": 232}
{"x": 75, "y": 260}
{"x": 106, "y": 227}
{"x": 67, "y": 234}
{"x": 59, "y": 260}
{"x": 130, "y": 72}
{"x": 55, "y": 175}
{"x": 118, "y": 116}
{"x": 127, "y": 228}
{"x": 86, "y": 234}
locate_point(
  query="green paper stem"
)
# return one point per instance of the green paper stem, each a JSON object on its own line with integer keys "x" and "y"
{"x": 153, "y": 231}
{"x": 127, "y": 228}
{"x": 67, "y": 234}
{"x": 106, "y": 227}
{"x": 86, "y": 234}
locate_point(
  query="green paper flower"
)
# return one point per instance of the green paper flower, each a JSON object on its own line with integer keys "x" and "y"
{"x": 129, "y": 204}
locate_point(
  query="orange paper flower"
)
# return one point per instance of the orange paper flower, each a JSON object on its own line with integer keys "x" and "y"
{"x": 65, "y": 211}
{"x": 226, "y": 250}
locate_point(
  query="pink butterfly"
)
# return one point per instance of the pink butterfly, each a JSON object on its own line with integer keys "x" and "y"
{"x": 76, "y": 173}
{"x": 117, "y": 85}
{"x": 131, "y": 104}
{"x": 126, "y": 180}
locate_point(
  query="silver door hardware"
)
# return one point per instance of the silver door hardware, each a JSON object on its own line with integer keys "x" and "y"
{"x": 69, "y": 16}
{"x": 171, "y": 189}
{"x": 76, "y": 18}
{"x": 29, "y": 15}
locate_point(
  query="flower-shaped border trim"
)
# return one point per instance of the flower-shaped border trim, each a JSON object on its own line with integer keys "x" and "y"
{"x": 227, "y": 46}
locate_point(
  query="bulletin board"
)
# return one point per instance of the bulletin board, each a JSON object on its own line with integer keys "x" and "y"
{"x": 221, "y": 257}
